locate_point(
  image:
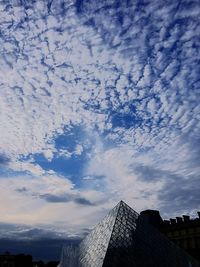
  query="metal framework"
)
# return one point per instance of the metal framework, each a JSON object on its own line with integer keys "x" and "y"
{"x": 69, "y": 257}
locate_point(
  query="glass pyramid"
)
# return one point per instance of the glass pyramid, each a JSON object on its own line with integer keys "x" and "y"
{"x": 69, "y": 257}
{"x": 107, "y": 234}
{"x": 125, "y": 239}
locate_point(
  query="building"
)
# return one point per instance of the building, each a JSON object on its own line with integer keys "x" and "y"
{"x": 7, "y": 260}
{"x": 125, "y": 238}
{"x": 183, "y": 231}
{"x": 20, "y": 260}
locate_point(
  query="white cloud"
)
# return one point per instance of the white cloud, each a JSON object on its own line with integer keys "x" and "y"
{"x": 118, "y": 179}
{"x": 25, "y": 203}
{"x": 78, "y": 149}
{"x": 49, "y": 94}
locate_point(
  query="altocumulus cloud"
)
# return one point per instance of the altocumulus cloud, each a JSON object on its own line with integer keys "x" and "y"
{"x": 107, "y": 90}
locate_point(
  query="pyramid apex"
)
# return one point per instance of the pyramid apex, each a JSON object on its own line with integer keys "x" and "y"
{"x": 123, "y": 203}
{"x": 120, "y": 203}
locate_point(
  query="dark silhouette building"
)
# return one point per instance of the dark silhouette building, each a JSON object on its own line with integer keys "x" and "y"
{"x": 20, "y": 260}
{"x": 7, "y": 260}
{"x": 126, "y": 239}
{"x": 183, "y": 231}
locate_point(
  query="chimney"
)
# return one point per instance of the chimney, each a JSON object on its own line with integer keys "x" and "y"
{"x": 186, "y": 218}
{"x": 166, "y": 222}
{"x": 179, "y": 219}
{"x": 172, "y": 221}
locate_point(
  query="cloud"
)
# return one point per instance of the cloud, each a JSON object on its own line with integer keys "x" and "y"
{"x": 83, "y": 201}
{"x": 4, "y": 160}
{"x": 99, "y": 86}
{"x": 27, "y": 232}
{"x": 180, "y": 199}
{"x": 179, "y": 193}
{"x": 147, "y": 173}
{"x": 54, "y": 198}
{"x": 45, "y": 202}
{"x": 51, "y": 188}
{"x": 65, "y": 198}
{"x": 119, "y": 181}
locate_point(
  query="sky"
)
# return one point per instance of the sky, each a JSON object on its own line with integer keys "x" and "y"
{"x": 99, "y": 101}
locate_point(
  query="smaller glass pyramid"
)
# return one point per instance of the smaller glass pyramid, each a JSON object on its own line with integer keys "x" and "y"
{"x": 69, "y": 257}
{"x": 125, "y": 239}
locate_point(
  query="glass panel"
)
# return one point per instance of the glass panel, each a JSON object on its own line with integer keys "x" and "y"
{"x": 69, "y": 257}
{"x": 137, "y": 243}
{"x": 93, "y": 248}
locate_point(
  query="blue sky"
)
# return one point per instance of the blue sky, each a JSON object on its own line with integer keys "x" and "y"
{"x": 99, "y": 101}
